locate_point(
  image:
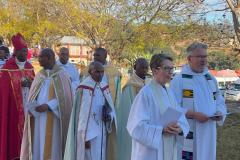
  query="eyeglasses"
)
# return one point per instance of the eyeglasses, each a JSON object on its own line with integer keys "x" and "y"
{"x": 200, "y": 56}
{"x": 166, "y": 68}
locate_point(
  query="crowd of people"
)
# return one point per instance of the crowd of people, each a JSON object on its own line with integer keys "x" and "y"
{"x": 61, "y": 114}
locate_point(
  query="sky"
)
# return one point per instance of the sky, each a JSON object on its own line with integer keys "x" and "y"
{"x": 217, "y": 15}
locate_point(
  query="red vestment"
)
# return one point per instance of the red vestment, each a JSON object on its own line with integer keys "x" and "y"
{"x": 11, "y": 108}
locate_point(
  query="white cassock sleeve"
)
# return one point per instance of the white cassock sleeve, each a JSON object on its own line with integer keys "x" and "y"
{"x": 53, "y": 105}
{"x": 182, "y": 122}
{"x": 221, "y": 106}
{"x": 93, "y": 130}
{"x": 139, "y": 123}
{"x": 75, "y": 79}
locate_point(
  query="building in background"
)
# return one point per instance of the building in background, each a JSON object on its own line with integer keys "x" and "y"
{"x": 80, "y": 52}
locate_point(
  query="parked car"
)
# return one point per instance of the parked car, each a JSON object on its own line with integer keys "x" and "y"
{"x": 222, "y": 90}
{"x": 233, "y": 93}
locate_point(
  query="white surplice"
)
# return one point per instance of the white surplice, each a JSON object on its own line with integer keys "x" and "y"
{"x": 205, "y": 140}
{"x": 86, "y": 123}
{"x": 144, "y": 126}
{"x": 96, "y": 131}
{"x": 25, "y": 90}
{"x": 40, "y": 125}
{"x": 72, "y": 71}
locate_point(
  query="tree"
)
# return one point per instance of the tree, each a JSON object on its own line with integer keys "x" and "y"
{"x": 234, "y": 6}
{"x": 219, "y": 60}
{"x": 117, "y": 24}
{"x": 36, "y": 20}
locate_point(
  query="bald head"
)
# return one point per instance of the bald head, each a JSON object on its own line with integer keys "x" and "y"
{"x": 46, "y": 58}
{"x": 64, "y": 49}
{"x": 141, "y": 67}
{"x": 47, "y": 52}
{"x": 100, "y": 55}
{"x": 96, "y": 71}
{"x": 64, "y": 55}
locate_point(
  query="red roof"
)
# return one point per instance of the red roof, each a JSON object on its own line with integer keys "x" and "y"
{"x": 213, "y": 72}
{"x": 226, "y": 73}
{"x": 238, "y": 72}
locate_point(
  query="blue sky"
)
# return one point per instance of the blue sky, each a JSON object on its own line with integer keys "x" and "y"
{"x": 217, "y": 15}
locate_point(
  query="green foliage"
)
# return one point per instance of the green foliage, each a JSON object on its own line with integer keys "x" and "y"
{"x": 219, "y": 60}
{"x": 127, "y": 29}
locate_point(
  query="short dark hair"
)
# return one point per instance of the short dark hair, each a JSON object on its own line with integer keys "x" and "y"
{"x": 92, "y": 65}
{"x": 157, "y": 59}
{"x": 100, "y": 49}
{"x": 48, "y": 52}
{"x": 5, "y": 49}
{"x": 138, "y": 60}
{"x": 64, "y": 49}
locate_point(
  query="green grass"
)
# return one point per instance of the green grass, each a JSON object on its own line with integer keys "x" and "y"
{"x": 228, "y": 142}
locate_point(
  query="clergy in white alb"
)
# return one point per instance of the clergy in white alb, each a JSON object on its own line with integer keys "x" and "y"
{"x": 50, "y": 103}
{"x": 152, "y": 139}
{"x": 197, "y": 92}
{"x": 93, "y": 119}
{"x": 68, "y": 67}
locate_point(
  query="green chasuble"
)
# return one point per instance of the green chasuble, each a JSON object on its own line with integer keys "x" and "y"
{"x": 124, "y": 140}
{"x": 75, "y": 145}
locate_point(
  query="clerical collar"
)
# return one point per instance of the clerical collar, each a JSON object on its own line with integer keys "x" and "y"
{"x": 20, "y": 64}
{"x": 186, "y": 69}
{"x": 60, "y": 63}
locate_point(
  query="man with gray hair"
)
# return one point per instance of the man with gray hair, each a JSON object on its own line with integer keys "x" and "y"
{"x": 196, "y": 90}
{"x": 93, "y": 119}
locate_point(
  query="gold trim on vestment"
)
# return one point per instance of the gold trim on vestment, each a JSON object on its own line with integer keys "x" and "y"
{"x": 49, "y": 127}
{"x": 32, "y": 126}
{"x": 17, "y": 103}
{"x": 111, "y": 74}
{"x": 187, "y": 93}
